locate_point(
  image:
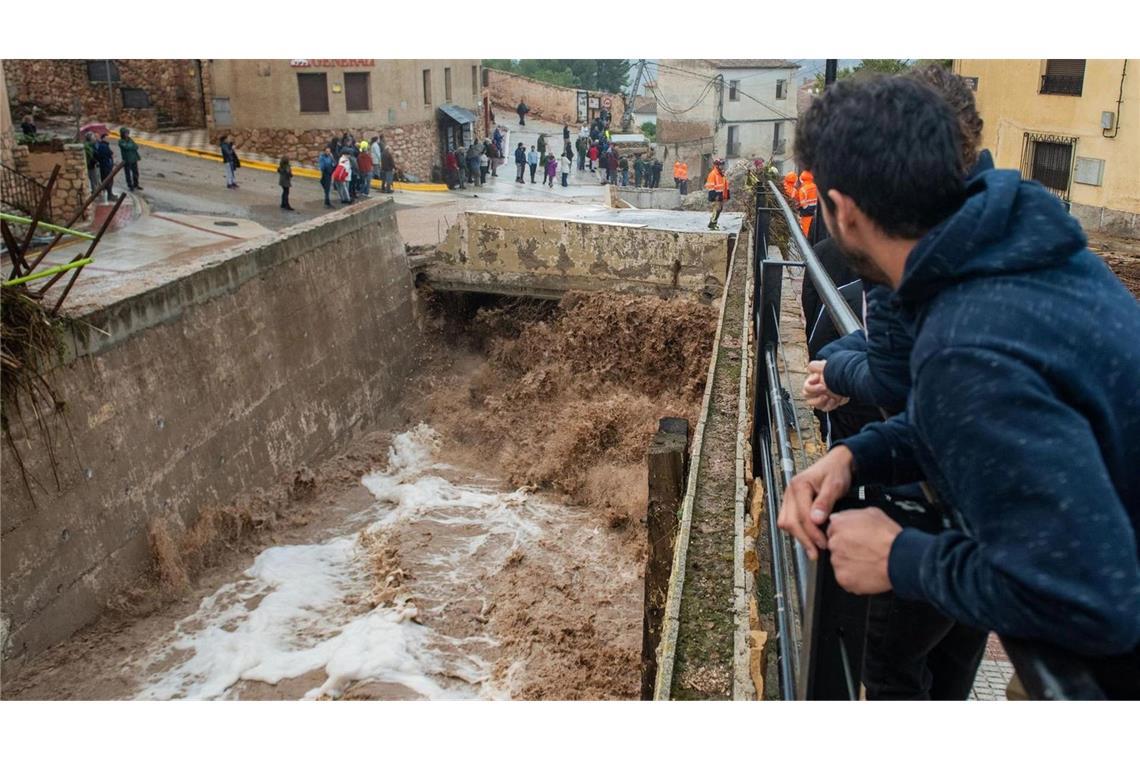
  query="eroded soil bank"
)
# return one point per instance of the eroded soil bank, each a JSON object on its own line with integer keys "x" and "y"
{"x": 488, "y": 545}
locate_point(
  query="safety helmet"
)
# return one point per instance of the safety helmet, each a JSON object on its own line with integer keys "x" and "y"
{"x": 790, "y": 178}
{"x": 805, "y": 176}
{"x": 363, "y": 145}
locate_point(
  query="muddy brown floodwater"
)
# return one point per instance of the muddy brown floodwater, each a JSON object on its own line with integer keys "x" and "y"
{"x": 490, "y": 544}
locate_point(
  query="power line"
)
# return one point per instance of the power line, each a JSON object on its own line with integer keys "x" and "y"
{"x": 716, "y": 78}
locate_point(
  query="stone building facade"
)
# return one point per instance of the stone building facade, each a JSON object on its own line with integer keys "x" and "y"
{"x": 293, "y": 107}
{"x": 144, "y": 94}
{"x": 736, "y": 109}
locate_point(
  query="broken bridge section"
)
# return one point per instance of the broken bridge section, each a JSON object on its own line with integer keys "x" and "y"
{"x": 545, "y": 250}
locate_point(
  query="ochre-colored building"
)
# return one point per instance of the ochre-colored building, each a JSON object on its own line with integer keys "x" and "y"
{"x": 293, "y": 107}
{"x": 1073, "y": 125}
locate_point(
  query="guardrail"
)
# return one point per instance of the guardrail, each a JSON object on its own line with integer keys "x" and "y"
{"x": 820, "y": 628}
{"x": 22, "y": 192}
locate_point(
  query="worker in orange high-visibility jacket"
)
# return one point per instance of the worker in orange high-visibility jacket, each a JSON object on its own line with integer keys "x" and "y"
{"x": 809, "y": 199}
{"x": 683, "y": 177}
{"x": 717, "y": 185}
{"x": 790, "y": 185}
{"x": 677, "y": 174}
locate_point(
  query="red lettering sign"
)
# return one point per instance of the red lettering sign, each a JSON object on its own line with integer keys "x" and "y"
{"x": 331, "y": 63}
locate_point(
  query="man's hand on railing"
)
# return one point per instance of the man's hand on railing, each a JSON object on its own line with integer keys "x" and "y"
{"x": 811, "y": 496}
{"x": 816, "y": 392}
{"x": 860, "y": 544}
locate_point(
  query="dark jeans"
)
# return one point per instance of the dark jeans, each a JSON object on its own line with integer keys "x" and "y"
{"x": 564, "y": 182}
{"x": 284, "y": 197}
{"x": 532, "y": 169}
{"x": 483, "y": 174}
{"x": 132, "y": 172}
{"x": 581, "y": 161}
{"x": 915, "y": 652}
{"x": 326, "y": 185}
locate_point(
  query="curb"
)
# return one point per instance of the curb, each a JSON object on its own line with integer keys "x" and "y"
{"x": 298, "y": 171}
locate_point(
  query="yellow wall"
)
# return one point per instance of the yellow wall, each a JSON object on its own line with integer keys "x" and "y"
{"x": 1009, "y": 102}
{"x": 264, "y": 94}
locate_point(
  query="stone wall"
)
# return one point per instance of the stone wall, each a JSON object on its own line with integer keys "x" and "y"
{"x": 71, "y": 187}
{"x": 51, "y": 86}
{"x": 415, "y": 146}
{"x": 545, "y": 257}
{"x": 548, "y": 102}
{"x": 261, "y": 359}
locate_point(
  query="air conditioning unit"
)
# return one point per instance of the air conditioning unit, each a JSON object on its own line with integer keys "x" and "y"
{"x": 1107, "y": 119}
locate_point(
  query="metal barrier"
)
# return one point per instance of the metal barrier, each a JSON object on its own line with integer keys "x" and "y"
{"x": 22, "y": 192}
{"x": 820, "y": 628}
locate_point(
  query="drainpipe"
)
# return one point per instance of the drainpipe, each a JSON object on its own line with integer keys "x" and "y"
{"x": 201, "y": 88}
{"x": 1119, "y": 100}
{"x": 110, "y": 90}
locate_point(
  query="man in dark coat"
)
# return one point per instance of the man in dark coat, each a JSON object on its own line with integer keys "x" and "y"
{"x": 106, "y": 160}
{"x": 520, "y": 163}
{"x": 522, "y": 110}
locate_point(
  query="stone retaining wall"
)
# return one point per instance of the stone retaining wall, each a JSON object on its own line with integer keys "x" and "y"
{"x": 415, "y": 146}
{"x": 548, "y": 102}
{"x": 268, "y": 357}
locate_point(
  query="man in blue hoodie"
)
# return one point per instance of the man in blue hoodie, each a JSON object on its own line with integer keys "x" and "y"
{"x": 1024, "y": 413}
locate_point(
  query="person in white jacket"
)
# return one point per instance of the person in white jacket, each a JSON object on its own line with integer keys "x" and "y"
{"x": 565, "y": 164}
{"x": 376, "y": 148}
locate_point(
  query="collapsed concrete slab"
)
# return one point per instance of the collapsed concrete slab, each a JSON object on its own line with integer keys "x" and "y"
{"x": 546, "y": 253}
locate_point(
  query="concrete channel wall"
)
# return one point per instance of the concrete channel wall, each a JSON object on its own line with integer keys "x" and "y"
{"x": 545, "y": 257}
{"x": 193, "y": 393}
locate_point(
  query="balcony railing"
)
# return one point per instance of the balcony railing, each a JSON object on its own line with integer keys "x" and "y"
{"x": 1056, "y": 84}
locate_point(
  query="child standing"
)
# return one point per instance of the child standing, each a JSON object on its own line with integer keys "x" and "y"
{"x": 566, "y": 163}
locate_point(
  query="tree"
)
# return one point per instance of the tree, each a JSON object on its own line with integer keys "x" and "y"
{"x": 867, "y": 66}
{"x": 649, "y": 129}
{"x": 609, "y": 75}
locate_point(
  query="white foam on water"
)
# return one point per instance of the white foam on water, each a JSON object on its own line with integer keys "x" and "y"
{"x": 290, "y": 614}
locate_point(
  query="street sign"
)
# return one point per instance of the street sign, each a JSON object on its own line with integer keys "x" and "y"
{"x": 607, "y": 101}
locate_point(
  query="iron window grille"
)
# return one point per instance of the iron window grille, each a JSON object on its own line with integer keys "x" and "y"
{"x": 1048, "y": 159}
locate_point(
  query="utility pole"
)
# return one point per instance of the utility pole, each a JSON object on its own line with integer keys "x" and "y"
{"x": 630, "y": 101}
{"x": 830, "y": 71}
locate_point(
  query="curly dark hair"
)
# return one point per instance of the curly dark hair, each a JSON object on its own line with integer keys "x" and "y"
{"x": 960, "y": 98}
{"x": 890, "y": 143}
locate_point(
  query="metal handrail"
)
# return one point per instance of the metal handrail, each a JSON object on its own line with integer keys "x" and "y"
{"x": 21, "y": 191}
{"x": 841, "y": 313}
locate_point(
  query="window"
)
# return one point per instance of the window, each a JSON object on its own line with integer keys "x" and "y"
{"x": 133, "y": 97}
{"x": 357, "y": 91}
{"x": 781, "y": 89}
{"x": 733, "y": 142}
{"x": 427, "y": 87}
{"x": 733, "y": 89}
{"x": 1063, "y": 76}
{"x": 778, "y": 144}
{"x": 474, "y": 80}
{"x": 447, "y": 84}
{"x": 314, "y": 92}
{"x": 102, "y": 71}
{"x": 1048, "y": 159}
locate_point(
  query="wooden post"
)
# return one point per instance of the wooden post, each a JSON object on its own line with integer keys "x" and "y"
{"x": 666, "y": 465}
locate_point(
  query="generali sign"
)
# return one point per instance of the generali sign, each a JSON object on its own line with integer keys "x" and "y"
{"x": 330, "y": 63}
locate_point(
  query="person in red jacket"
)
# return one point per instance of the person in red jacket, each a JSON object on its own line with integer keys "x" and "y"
{"x": 592, "y": 154}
